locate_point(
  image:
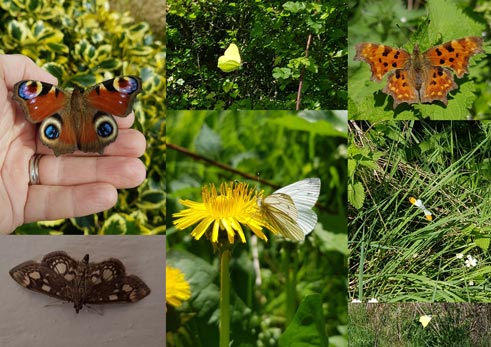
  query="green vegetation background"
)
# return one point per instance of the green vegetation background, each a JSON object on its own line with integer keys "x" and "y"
{"x": 283, "y": 147}
{"x": 396, "y": 255}
{"x": 388, "y": 325}
{"x": 393, "y": 24}
{"x": 272, "y": 37}
{"x": 84, "y": 42}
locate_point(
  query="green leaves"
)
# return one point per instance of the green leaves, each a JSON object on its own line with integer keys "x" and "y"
{"x": 276, "y": 55}
{"x": 80, "y": 46}
{"x": 379, "y": 24}
{"x": 307, "y": 327}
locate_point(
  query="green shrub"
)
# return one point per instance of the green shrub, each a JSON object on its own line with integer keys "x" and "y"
{"x": 272, "y": 37}
{"x": 82, "y": 43}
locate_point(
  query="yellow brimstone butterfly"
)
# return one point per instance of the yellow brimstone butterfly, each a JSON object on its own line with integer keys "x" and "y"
{"x": 418, "y": 203}
{"x": 289, "y": 210}
{"x": 230, "y": 60}
{"x": 425, "y": 320}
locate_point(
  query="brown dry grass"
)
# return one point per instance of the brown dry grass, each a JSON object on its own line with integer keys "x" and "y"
{"x": 150, "y": 11}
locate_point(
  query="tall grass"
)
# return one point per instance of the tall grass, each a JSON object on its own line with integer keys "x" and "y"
{"x": 397, "y": 255}
{"x": 451, "y": 325}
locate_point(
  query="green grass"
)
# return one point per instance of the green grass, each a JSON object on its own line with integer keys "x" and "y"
{"x": 396, "y": 255}
{"x": 452, "y": 325}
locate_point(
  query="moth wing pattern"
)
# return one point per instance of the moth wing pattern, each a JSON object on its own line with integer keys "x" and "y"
{"x": 40, "y": 278}
{"x": 60, "y": 276}
{"x": 130, "y": 289}
{"x": 108, "y": 283}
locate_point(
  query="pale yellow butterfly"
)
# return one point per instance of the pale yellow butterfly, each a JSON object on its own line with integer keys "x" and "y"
{"x": 230, "y": 60}
{"x": 289, "y": 209}
{"x": 418, "y": 203}
{"x": 425, "y": 320}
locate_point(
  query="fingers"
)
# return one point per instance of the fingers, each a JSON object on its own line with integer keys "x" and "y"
{"x": 48, "y": 202}
{"x": 121, "y": 172}
{"x": 125, "y": 122}
{"x": 17, "y": 67}
{"x": 129, "y": 143}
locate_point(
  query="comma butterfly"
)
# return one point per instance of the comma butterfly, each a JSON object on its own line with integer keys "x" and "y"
{"x": 419, "y": 77}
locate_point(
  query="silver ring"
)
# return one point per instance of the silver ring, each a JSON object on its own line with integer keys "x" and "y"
{"x": 34, "y": 169}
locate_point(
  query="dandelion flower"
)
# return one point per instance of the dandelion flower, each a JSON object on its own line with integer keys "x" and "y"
{"x": 177, "y": 289}
{"x": 234, "y": 205}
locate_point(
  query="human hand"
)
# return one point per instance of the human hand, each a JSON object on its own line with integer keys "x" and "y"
{"x": 70, "y": 185}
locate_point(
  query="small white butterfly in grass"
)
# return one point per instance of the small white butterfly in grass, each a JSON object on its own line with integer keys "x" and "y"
{"x": 418, "y": 203}
{"x": 425, "y": 320}
{"x": 289, "y": 209}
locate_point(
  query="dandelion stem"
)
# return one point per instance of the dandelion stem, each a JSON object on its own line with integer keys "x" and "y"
{"x": 289, "y": 267}
{"x": 224, "y": 297}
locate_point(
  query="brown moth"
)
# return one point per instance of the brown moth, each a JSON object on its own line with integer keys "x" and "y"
{"x": 62, "y": 277}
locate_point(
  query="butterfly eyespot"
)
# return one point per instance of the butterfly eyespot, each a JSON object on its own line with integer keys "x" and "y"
{"x": 51, "y": 132}
{"x": 105, "y": 126}
{"x": 30, "y": 89}
{"x": 125, "y": 84}
{"x": 105, "y": 129}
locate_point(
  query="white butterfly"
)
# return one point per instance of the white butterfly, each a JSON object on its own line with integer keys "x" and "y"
{"x": 289, "y": 209}
{"x": 418, "y": 203}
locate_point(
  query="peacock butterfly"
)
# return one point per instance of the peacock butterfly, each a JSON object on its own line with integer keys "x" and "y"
{"x": 82, "y": 119}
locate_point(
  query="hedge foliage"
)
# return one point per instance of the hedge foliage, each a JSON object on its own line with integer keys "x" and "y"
{"x": 282, "y": 44}
{"x": 82, "y": 43}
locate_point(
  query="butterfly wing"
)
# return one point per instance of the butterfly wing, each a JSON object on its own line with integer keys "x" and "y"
{"x": 425, "y": 320}
{"x": 230, "y": 60}
{"x": 96, "y": 107}
{"x": 436, "y": 85}
{"x": 279, "y": 211}
{"x": 39, "y": 100}
{"x": 47, "y": 104}
{"x": 455, "y": 54}
{"x": 381, "y": 58}
{"x": 304, "y": 194}
{"x": 115, "y": 96}
{"x": 400, "y": 89}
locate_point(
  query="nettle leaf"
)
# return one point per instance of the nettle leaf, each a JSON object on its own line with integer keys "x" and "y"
{"x": 307, "y": 327}
{"x": 356, "y": 195}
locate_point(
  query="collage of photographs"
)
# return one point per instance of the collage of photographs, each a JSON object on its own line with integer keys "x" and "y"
{"x": 251, "y": 174}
